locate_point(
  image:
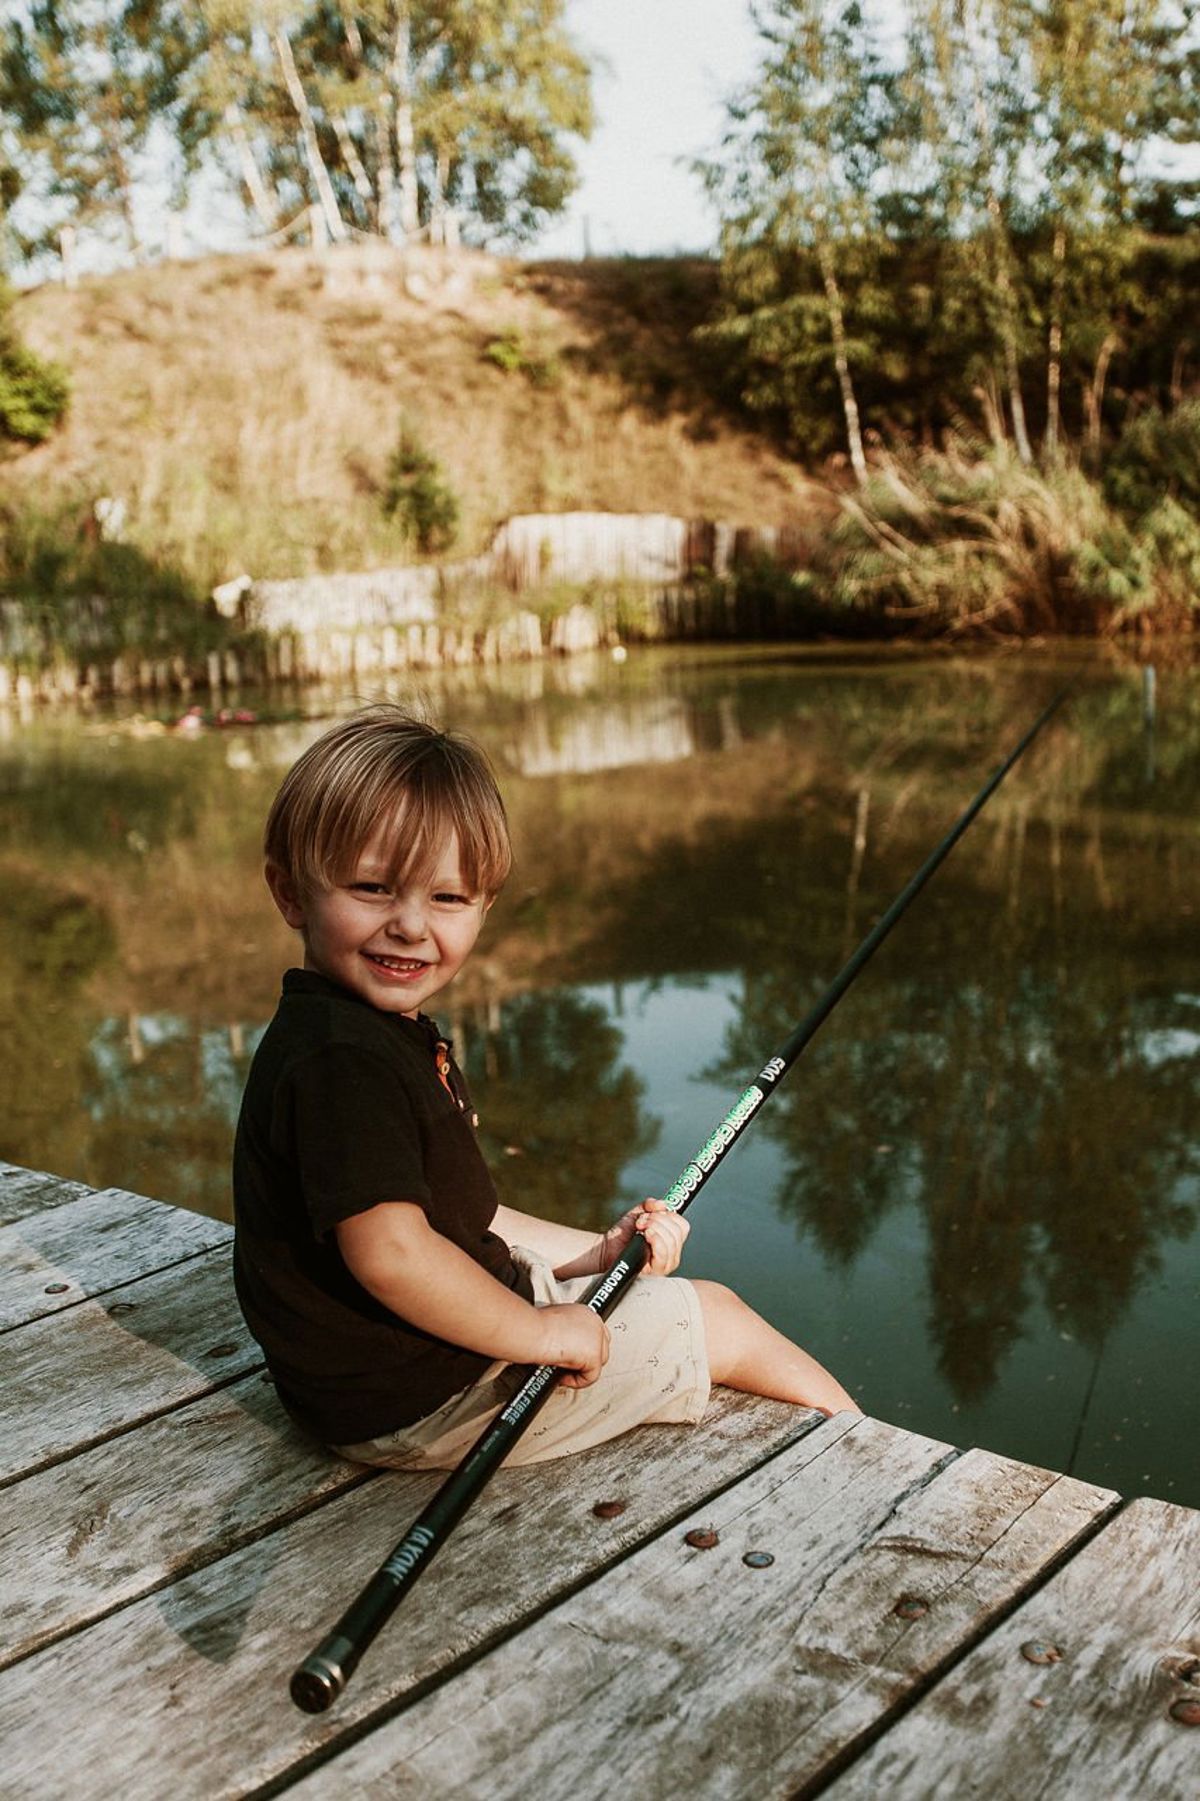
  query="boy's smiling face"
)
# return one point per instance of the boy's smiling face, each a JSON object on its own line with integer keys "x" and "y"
{"x": 396, "y": 941}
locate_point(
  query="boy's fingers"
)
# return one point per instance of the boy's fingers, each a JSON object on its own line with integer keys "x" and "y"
{"x": 664, "y": 1226}
{"x": 589, "y": 1372}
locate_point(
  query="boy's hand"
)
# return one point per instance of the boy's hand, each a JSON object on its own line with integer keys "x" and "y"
{"x": 665, "y": 1233}
{"x": 576, "y": 1340}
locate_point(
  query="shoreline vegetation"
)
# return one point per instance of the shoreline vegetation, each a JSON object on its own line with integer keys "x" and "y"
{"x": 948, "y": 339}
{"x": 238, "y": 423}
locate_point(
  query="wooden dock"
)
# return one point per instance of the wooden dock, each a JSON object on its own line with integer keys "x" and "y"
{"x": 932, "y": 1622}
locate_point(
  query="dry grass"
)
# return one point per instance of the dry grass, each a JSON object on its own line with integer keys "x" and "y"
{"x": 244, "y": 408}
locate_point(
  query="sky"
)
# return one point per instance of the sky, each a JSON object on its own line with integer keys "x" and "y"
{"x": 662, "y": 69}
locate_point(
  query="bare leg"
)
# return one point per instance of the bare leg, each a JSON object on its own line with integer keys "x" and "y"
{"x": 745, "y": 1352}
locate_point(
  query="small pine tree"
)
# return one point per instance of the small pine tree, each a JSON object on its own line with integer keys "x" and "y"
{"x": 417, "y": 494}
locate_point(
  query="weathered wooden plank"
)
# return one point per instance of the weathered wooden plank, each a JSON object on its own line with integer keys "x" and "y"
{"x": 686, "y": 1672}
{"x": 56, "y": 1257}
{"x": 185, "y": 1691}
{"x": 1124, "y": 1617}
{"x": 26, "y": 1191}
{"x": 92, "y": 1534}
{"x": 76, "y": 1378}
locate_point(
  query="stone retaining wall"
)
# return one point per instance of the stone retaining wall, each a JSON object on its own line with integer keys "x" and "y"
{"x": 419, "y": 616}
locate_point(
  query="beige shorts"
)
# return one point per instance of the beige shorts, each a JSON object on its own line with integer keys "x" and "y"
{"x": 657, "y": 1372}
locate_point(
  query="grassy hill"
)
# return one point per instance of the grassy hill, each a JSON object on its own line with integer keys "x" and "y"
{"x": 245, "y": 408}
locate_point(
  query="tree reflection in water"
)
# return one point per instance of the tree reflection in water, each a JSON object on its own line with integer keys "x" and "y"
{"x": 561, "y": 1116}
{"x": 1017, "y": 1127}
{"x": 1003, "y": 1107}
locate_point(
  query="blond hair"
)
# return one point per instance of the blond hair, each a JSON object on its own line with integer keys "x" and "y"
{"x": 384, "y": 768}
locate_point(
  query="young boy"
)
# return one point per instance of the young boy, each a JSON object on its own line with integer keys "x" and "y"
{"x": 396, "y": 1301}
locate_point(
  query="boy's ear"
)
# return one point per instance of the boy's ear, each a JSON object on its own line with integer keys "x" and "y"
{"x": 286, "y": 895}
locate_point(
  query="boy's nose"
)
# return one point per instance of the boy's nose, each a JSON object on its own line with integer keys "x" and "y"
{"x": 408, "y": 921}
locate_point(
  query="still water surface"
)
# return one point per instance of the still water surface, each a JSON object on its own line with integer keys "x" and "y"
{"x": 977, "y": 1198}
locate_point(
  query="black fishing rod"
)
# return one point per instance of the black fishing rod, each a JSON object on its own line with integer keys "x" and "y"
{"x": 320, "y": 1679}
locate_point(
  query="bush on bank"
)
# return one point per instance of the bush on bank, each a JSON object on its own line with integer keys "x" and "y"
{"x": 33, "y": 392}
{"x": 69, "y": 594}
{"x": 967, "y": 539}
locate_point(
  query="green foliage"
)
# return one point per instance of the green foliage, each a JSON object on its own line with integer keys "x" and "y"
{"x": 485, "y": 101}
{"x": 964, "y": 540}
{"x": 63, "y": 937}
{"x": 1152, "y": 481}
{"x": 417, "y": 495}
{"x": 511, "y": 353}
{"x": 954, "y": 231}
{"x": 507, "y": 351}
{"x": 33, "y": 392}
{"x": 1156, "y": 458}
{"x": 33, "y": 395}
{"x": 81, "y": 89}
{"x": 89, "y": 599}
{"x": 921, "y": 339}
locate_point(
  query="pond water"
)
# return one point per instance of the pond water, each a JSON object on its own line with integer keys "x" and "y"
{"x": 977, "y": 1196}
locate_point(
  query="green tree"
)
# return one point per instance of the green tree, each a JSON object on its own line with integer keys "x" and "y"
{"x": 33, "y": 392}
{"x": 561, "y": 1114}
{"x": 958, "y": 229}
{"x": 447, "y": 117}
{"x": 1103, "y": 83}
{"x": 960, "y": 116}
{"x": 395, "y": 117}
{"x": 804, "y": 169}
{"x": 82, "y": 83}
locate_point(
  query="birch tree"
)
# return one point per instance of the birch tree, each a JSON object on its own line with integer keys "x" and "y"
{"x": 1106, "y": 81}
{"x": 803, "y": 169}
{"x": 455, "y": 114}
{"x": 961, "y": 117}
{"x": 81, "y": 91}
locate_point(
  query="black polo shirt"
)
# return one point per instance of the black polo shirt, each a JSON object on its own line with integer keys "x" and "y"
{"x": 344, "y": 1109}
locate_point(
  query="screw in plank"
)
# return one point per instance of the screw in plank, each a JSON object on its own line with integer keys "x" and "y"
{"x": 119, "y": 1307}
{"x": 1036, "y": 1650}
{"x": 609, "y": 1510}
{"x": 1181, "y": 1668}
{"x": 57, "y": 1287}
{"x": 702, "y": 1538}
{"x": 221, "y": 1350}
{"x": 1186, "y": 1712}
{"x": 911, "y": 1607}
{"x": 758, "y": 1560}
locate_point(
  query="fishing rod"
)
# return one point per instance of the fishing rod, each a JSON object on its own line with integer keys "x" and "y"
{"x": 320, "y": 1679}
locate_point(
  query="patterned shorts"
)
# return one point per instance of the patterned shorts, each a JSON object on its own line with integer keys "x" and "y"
{"x": 657, "y": 1372}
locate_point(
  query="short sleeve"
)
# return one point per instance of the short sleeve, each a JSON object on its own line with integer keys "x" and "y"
{"x": 353, "y": 1134}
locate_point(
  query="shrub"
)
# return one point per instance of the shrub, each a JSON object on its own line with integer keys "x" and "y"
{"x": 507, "y": 351}
{"x": 968, "y": 540}
{"x": 417, "y": 495}
{"x": 1156, "y": 458}
{"x": 90, "y": 599}
{"x": 33, "y": 392}
{"x": 510, "y": 353}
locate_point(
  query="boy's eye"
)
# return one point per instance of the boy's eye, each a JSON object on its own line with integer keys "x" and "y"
{"x": 368, "y": 888}
{"x": 447, "y": 896}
